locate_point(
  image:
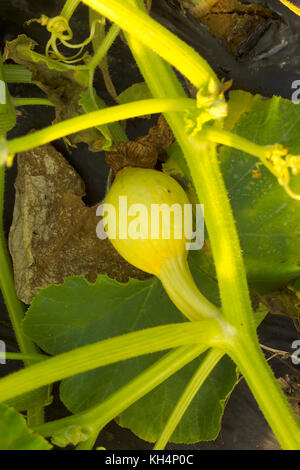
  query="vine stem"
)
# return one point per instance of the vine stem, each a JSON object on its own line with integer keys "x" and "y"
{"x": 208, "y": 332}
{"x": 69, "y": 8}
{"x": 204, "y": 166}
{"x": 158, "y": 38}
{"x": 116, "y": 131}
{"x": 15, "y": 308}
{"x": 22, "y": 356}
{"x": 104, "y": 47}
{"x": 207, "y": 365}
{"x": 97, "y": 118}
{"x": 220, "y": 136}
{"x": 31, "y": 102}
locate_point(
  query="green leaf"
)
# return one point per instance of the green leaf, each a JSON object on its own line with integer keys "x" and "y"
{"x": 15, "y": 435}
{"x": 76, "y": 313}
{"x": 267, "y": 218}
{"x": 136, "y": 92}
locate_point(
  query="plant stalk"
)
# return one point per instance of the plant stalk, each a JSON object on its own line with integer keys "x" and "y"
{"x": 177, "y": 280}
{"x": 97, "y": 118}
{"x": 207, "y": 365}
{"x": 205, "y": 332}
{"x": 102, "y": 414}
{"x": 159, "y": 39}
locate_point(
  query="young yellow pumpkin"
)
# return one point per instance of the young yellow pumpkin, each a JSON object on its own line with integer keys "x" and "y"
{"x": 145, "y": 190}
{"x": 165, "y": 258}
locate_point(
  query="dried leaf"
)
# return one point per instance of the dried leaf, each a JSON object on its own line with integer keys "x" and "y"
{"x": 282, "y": 302}
{"x": 143, "y": 152}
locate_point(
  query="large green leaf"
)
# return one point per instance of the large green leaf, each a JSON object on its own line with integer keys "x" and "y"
{"x": 15, "y": 435}
{"x": 77, "y": 313}
{"x": 268, "y": 220}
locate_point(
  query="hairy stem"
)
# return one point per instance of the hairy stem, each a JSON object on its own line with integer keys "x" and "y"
{"x": 158, "y": 38}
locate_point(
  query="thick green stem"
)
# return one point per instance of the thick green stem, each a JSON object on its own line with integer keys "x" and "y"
{"x": 16, "y": 74}
{"x": 267, "y": 393}
{"x": 159, "y": 39}
{"x": 69, "y": 8}
{"x": 198, "y": 379}
{"x": 208, "y": 332}
{"x": 204, "y": 166}
{"x": 100, "y": 415}
{"x": 90, "y": 442}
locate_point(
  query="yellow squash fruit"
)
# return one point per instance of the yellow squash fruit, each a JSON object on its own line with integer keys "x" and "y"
{"x": 144, "y": 190}
{"x": 153, "y": 243}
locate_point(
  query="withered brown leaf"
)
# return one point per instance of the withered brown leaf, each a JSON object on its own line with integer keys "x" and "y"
{"x": 144, "y": 151}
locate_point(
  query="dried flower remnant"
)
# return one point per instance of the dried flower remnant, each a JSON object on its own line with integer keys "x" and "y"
{"x": 143, "y": 152}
